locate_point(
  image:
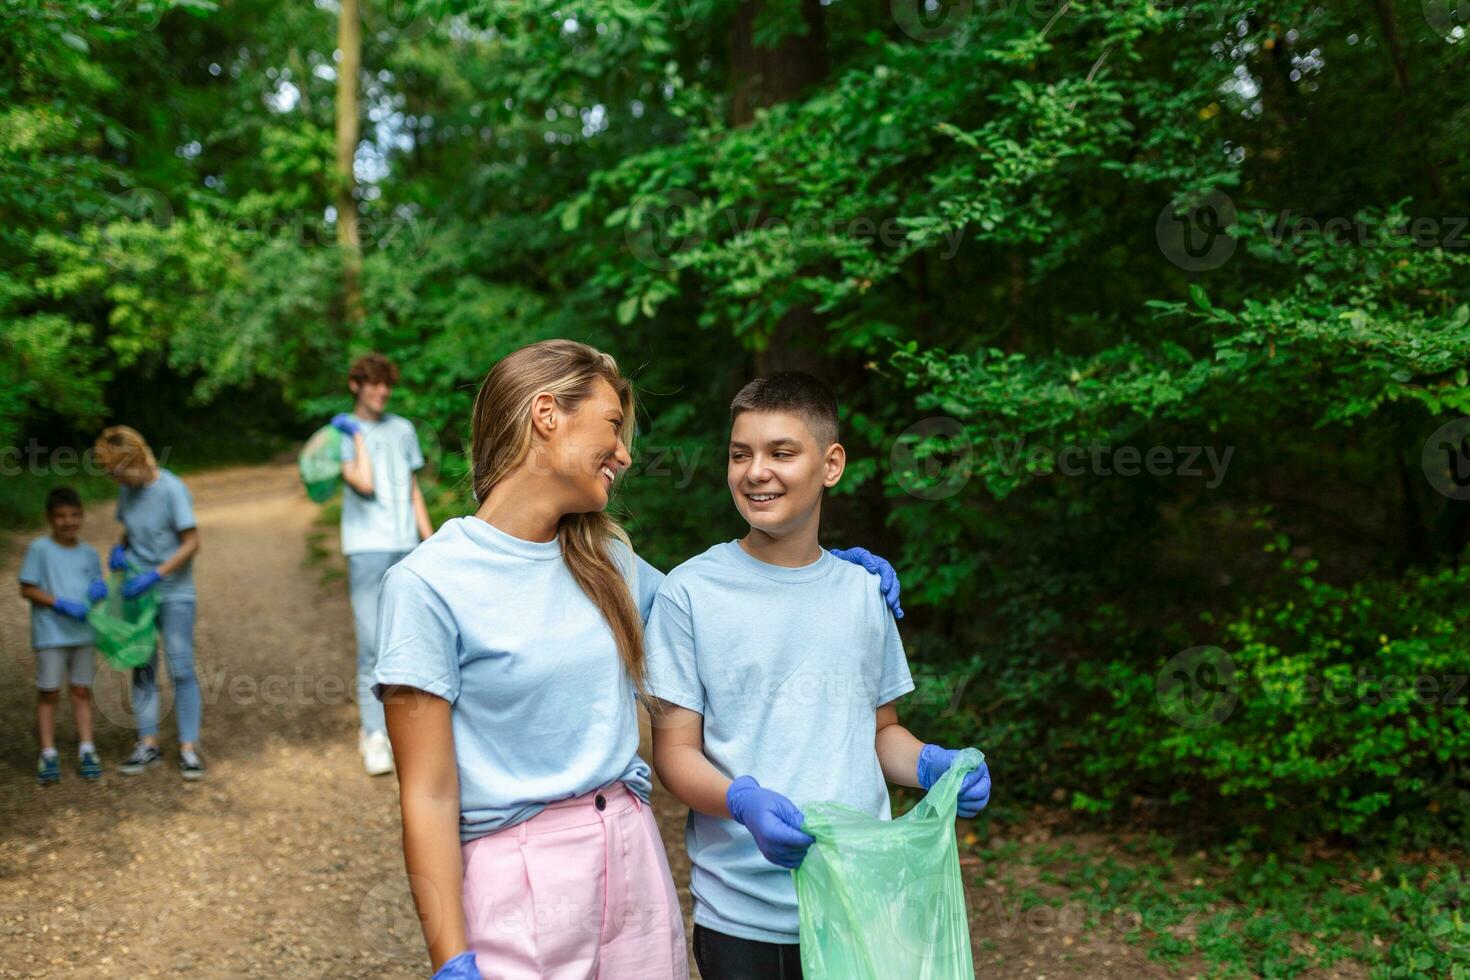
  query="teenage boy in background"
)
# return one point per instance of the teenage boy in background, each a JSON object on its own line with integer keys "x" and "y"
{"x": 777, "y": 667}
{"x": 61, "y": 577}
{"x": 383, "y": 518}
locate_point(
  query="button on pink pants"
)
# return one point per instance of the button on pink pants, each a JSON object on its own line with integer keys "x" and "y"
{"x": 576, "y": 892}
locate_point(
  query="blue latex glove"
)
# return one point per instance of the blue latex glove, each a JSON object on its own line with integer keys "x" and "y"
{"x": 344, "y": 423}
{"x": 97, "y": 591}
{"x": 139, "y": 584}
{"x": 70, "y": 607}
{"x": 772, "y": 819}
{"x": 934, "y": 761}
{"x": 877, "y": 565}
{"x": 461, "y": 967}
{"x": 117, "y": 558}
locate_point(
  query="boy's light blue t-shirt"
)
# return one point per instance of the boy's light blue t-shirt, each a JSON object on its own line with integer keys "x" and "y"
{"x": 384, "y": 521}
{"x": 154, "y": 517}
{"x": 65, "y": 573}
{"x": 542, "y": 709}
{"x": 788, "y": 666}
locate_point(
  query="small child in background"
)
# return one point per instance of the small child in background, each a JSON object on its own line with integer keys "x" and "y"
{"x": 60, "y": 577}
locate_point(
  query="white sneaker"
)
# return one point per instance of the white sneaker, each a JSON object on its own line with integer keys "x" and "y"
{"x": 377, "y": 753}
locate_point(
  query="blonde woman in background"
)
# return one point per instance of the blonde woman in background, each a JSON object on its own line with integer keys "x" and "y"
{"x": 160, "y": 540}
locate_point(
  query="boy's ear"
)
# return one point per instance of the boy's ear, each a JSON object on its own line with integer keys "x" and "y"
{"x": 354, "y": 386}
{"x": 833, "y": 465}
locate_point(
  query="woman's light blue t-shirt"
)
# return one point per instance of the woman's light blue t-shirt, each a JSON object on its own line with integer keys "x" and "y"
{"x": 154, "y": 517}
{"x": 788, "y": 666}
{"x": 542, "y": 709}
{"x": 66, "y": 573}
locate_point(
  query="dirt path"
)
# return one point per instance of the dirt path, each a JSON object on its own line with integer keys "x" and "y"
{"x": 285, "y": 861}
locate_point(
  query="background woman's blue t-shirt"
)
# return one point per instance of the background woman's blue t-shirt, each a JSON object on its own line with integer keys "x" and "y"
{"x": 542, "y": 709}
{"x": 155, "y": 517}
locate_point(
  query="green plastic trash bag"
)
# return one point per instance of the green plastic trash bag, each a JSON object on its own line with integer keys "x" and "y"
{"x": 125, "y": 630}
{"x": 321, "y": 464}
{"x": 883, "y": 899}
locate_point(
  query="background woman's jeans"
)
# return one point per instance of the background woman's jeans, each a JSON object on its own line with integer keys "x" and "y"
{"x": 365, "y": 572}
{"x": 176, "y": 623}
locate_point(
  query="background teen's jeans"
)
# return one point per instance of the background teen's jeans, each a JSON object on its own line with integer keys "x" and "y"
{"x": 176, "y": 624}
{"x": 365, "y": 572}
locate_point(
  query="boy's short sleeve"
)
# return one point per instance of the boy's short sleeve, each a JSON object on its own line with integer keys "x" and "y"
{"x": 418, "y": 639}
{"x": 30, "y": 566}
{"x": 895, "y": 681}
{"x": 181, "y": 507}
{"x": 673, "y": 672}
{"x": 349, "y": 449}
{"x": 95, "y": 560}
{"x": 411, "y": 444}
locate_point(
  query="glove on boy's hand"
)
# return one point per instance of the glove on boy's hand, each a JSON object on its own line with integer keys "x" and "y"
{"x": 70, "y": 607}
{"x": 139, "y": 584}
{"x": 97, "y": 591}
{"x": 934, "y": 761}
{"x": 344, "y": 423}
{"x": 117, "y": 558}
{"x": 772, "y": 819}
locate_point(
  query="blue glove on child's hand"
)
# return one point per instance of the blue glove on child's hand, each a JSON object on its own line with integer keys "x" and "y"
{"x": 344, "y": 423}
{"x": 72, "y": 608}
{"x": 772, "y": 819}
{"x": 139, "y": 584}
{"x": 97, "y": 591}
{"x": 877, "y": 565}
{"x": 117, "y": 558}
{"x": 935, "y": 761}
{"x": 461, "y": 967}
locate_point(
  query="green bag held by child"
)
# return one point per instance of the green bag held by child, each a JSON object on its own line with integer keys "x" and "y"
{"x": 883, "y": 899}
{"x": 321, "y": 464}
{"x": 125, "y": 629}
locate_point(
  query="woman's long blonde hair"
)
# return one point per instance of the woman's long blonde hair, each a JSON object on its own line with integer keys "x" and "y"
{"x": 121, "y": 448}
{"x": 501, "y": 441}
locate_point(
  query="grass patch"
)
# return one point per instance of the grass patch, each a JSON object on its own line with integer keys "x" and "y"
{"x": 1249, "y": 914}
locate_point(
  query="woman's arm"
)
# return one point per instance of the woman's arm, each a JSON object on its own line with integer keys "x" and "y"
{"x": 428, "y": 794}
{"x": 188, "y": 548}
{"x": 679, "y": 760}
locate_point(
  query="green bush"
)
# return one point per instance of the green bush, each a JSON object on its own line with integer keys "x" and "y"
{"x": 1348, "y": 717}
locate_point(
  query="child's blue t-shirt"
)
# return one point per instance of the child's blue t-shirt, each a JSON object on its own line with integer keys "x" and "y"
{"x": 542, "y": 709}
{"x": 383, "y": 521}
{"x": 65, "y": 573}
{"x": 788, "y": 666}
{"x": 155, "y": 516}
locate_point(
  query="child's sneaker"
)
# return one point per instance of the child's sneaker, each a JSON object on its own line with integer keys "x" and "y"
{"x": 190, "y": 765}
{"x": 48, "y": 770}
{"x": 90, "y": 766}
{"x": 143, "y": 756}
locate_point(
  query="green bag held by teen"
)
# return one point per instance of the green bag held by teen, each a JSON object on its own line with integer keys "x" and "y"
{"x": 125, "y": 630}
{"x": 321, "y": 464}
{"x": 883, "y": 899}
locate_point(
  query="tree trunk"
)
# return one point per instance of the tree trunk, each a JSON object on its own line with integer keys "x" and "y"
{"x": 761, "y": 77}
{"x": 349, "y": 42}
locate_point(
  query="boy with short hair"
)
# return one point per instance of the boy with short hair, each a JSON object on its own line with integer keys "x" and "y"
{"x": 777, "y": 667}
{"x": 61, "y": 576}
{"x": 383, "y": 518}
